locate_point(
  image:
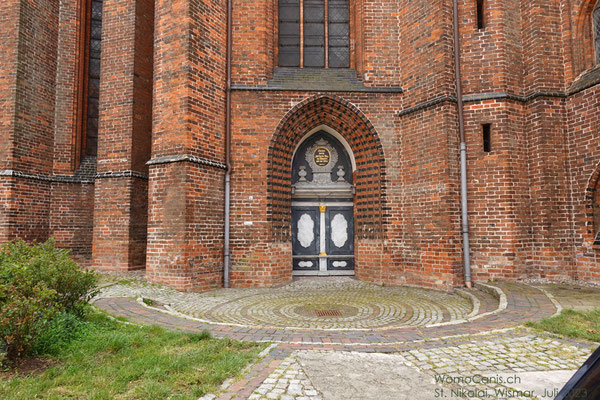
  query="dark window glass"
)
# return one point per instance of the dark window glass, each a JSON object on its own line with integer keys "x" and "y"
{"x": 302, "y": 38}
{"x": 314, "y": 33}
{"x": 339, "y": 34}
{"x": 596, "y": 25}
{"x": 480, "y": 14}
{"x": 487, "y": 137}
{"x": 289, "y": 33}
{"x": 93, "y": 92}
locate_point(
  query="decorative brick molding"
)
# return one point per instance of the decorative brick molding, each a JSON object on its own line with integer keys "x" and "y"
{"x": 186, "y": 158}
{"x": 121, "y": 174}
{"x": 47, "y": 178}
{"x": 342, "y": 116}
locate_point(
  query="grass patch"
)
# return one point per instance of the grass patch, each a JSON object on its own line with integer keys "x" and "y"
{"x": 109, "y": 360}
{"x": 573, "y": 324}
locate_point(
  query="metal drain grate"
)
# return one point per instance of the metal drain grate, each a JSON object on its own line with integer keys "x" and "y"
{"x": 328, "y": 313}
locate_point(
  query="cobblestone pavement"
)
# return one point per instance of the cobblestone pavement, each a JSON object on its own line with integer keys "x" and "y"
{"x": 336, "y": 357}
{"x": 499, "y": 367}
{"x": 523, "y": 303}
{"x": 327, "y": 303}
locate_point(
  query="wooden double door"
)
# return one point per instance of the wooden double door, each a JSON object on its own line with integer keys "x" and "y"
{"x": 323, "y": 238}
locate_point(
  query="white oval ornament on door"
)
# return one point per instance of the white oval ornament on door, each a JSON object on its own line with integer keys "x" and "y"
{"x": 306, "y": 231}
{"x": 340, "y": 264}
{"x": 339, "y": 230}
{"x": 305, "y": 264}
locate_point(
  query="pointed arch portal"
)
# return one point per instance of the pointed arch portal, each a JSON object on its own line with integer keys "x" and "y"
{"x": 322, "y": 207}
{"x": 359, "y": 195}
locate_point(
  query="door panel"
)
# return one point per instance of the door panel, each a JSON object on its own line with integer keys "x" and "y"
{"x": 339, "y": 231}
{"x": 306, "y": 227}
{"x": 340, "y": 264}
{"x": 326, "y": 248}
{"x": 306, "y": 264}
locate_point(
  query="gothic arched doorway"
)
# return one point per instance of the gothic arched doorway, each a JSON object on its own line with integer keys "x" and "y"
{"x": 322, "y": 206}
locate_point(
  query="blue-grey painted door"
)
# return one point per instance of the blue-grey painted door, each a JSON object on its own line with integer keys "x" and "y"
{"x": 306, "y": 238}
{"x": 339, "y": 233}
{"x": 323, "y": 239}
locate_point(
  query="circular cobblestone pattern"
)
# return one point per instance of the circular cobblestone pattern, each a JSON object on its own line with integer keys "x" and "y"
{"x": 315, "y": 303}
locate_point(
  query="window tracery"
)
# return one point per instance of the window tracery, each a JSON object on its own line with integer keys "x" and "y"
{"x": 314, "y": 33}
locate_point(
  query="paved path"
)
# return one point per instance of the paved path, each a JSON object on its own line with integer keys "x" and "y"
{"x": 435, "y": 352}
{"x": 523, "y": 303}
{"x": 334, "y": 303}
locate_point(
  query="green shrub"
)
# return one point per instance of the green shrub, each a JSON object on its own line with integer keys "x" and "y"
{"x": 23, "y": 317}
{"x": 20, "y": 263}
{"x": 37, "y": 282}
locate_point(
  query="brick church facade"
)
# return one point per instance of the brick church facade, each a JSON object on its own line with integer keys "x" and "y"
{"x": 115, "y": 114}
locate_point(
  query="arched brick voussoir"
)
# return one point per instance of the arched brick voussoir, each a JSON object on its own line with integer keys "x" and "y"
{"x": 345, "y": 118}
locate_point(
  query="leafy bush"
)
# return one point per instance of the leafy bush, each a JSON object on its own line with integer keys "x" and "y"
{"x": 23, "y": 317}
{"x": 25, "y": 265}
{"x": 37, "y": 282}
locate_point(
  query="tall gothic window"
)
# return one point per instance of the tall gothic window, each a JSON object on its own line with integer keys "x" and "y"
{"x": 596, "y": 27}
{"x": 93, "y": 79}
{"x": 314, "y": 33}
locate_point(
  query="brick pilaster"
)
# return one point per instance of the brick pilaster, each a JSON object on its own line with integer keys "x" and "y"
{"x": 120, "y": 207}
{"x": 185, "y": 227}
{"x": 27, "y": 84}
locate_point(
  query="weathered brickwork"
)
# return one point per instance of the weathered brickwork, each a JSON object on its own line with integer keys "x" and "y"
{"x": 27, "y": 84}
{"x": 186, "y": 213}
{"x": 185, "y": 227}
{"x": 424, "y": 192}
{"x": 124, "y": 135}
{"x": 71, "y": 218}
{"x": 584, "y": 164}
{"x": 154, "y": 196}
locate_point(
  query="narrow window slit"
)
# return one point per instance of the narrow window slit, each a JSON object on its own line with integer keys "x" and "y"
{"x": 480, "y": 14}
{"x": 596, "y": 27}
{"x": 487, "y": 137}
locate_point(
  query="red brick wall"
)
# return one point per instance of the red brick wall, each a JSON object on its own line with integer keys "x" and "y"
{"x": 71, "y": 204}
{"x": 255, "y": 39}
{"x": 36, "y": 74}
{"x": 416, "y": 190}
{"x": 124, "y": 136}
{"x": 582, "y": 46}
{"x": 533, "y": 199}
{"x": 425, "y": 50}
{"x": 68, "y": 59}
{"x": 71, "y": 218}
{"x": 186, "y": 200}
{"x": 9, "y": 13}
{"x": 584, "y": 158}
{"x": 189, "y": 60}
{"x": 185, "y": 227}
{"x": 425, "y": 216}
{"x": 498, "y": 190}
{"x": 549, "y": 191}
{"x": 27, "y": 83}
